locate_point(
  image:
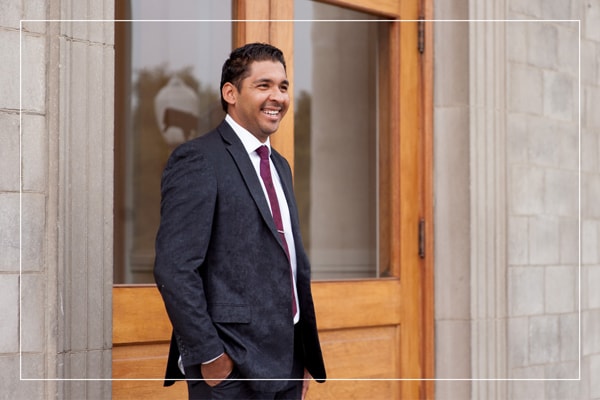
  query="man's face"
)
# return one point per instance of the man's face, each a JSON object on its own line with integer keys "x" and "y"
{"x": 263, "y": 99}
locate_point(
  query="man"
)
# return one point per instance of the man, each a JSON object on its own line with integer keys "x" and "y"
{"x": 230, "y": 264}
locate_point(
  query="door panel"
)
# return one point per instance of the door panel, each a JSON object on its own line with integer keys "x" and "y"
{"x": 359, "y": 324}
{"x": 373, "y": 331}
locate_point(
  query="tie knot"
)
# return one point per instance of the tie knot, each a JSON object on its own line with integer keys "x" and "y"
{"x": 263, "y": 152}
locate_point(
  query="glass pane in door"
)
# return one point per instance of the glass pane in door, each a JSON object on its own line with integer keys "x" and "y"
{"x": 336, "y": 138}
{"x": 172, "y": 95}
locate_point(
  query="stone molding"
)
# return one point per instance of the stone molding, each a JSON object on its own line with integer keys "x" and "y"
{"x": 80, "y": 112}
{"x": 488, "y": 198}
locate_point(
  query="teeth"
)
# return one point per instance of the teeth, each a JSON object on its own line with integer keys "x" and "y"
{"x": 271, "y": 112}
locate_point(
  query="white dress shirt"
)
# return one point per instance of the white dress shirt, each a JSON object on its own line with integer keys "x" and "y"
{"x": 251, "y": 143}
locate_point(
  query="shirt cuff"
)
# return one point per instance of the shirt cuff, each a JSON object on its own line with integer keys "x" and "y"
{"x": 214, "y": 359}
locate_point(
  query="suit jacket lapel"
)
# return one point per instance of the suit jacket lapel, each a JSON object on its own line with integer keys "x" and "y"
{"x": 286, "y": 183}
{"x": 238, "y": 152}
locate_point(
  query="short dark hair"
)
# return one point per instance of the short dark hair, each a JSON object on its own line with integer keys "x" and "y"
{"x": 236, "y": 68}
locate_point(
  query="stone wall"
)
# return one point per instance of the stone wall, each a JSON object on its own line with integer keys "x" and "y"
{"x": 55, "y": 199}
{"x": 513, "y": 185}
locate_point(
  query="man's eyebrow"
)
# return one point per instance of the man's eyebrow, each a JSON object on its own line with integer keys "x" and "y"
{"x": 267, "y": 80}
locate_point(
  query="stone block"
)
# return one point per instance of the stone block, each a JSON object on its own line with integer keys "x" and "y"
{"x": 525, "y": 89}
{"x": 517, "y": 138}
{"x": 9, "y": 232}
{"x": 544, "y": 340}
{"x": 33, "y": 232}
{"x": 569, "y": 150}
{"x": 568, "y": 49}
{"x": 528, "y": 383}
{"x": 590, "y": 326}
{"x": 452, "y": 347}
{"x": 33, "y": 80}
{"x": 561, "y": 289}
{"x": 560, "y": 96}
{"x": 569, "y": 337}
{"x": 516, "y": 42}
{"x": 569, "y": 241}
{"x": 542, "y": 44}
{"x": 12, "y": 387}
{"x": 526, "y": 188}
{"x": 556, "y": 9}
{"x": 544, "y": 240}
{"x": 526, "y": 291}
{"x": 561, "y": 193}
{"x": 590, "y": 116}
{"x": 34, "y": 153}
{"x": 33, "y": 312}
{"x": 34, "y": 10}
{"x": 589, "y": 151}
{"x": 594, "y": 373}
{"x": 528, "y": 8}
{"x": 590, "y": 193}
{"x": 558, "y": 387}
{"x": 597, "y": 64}
{"x": 589, "y": 242}
{"x": 9, "y": 69}
{"x": 591, "y": 281}
{"x": 589, "y": 63}
{"x": 34, "y": 366}
{"x": 10, "y": 14}
{"x": 544, "y": 142}
{"x": 452, "y": 60}
{"x": 518, "y": 241}
{"x": 9, "y": 152}
{"x": 9, "y": 313}
{"x": 518, "y": 342}
{"x": 591, "y": 27}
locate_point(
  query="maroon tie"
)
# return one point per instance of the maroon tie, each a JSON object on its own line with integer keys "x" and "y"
{"x": 265, "y": 174}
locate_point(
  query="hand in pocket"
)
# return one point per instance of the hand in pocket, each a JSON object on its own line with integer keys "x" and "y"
{"x": 216, "y": 371}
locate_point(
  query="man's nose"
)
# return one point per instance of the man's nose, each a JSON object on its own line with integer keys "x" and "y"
{"x": 279, "y": 95}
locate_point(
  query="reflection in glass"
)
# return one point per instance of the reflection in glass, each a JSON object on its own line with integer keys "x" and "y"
{"x": 174, "y": 97}
{"x": 336, "y": 139}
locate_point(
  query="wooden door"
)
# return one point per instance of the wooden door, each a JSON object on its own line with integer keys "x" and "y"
{"x": 376, "y": 333}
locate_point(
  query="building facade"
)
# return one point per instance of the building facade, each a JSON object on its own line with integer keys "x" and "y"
{"x": 516, "y": 182}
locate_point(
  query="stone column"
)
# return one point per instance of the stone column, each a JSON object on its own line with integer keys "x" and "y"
{"x": 56, "y": 199}
{"x": 81, "y": 108}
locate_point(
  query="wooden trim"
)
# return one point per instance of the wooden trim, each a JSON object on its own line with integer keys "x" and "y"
{"x": 386, "y": 117}
{"x": 427, "y": 191}
{"x": 377, "y": 300}
{"x": 337, "y": 302}
{"x": 395, "y": 181}
{"x": 134, "y": 322}
{"x": 121, "y": 115}
{"x": 281, "y": 35}
{"x": 261, "y": 26}
{"x": 383, "y": 8}
{"x": 257, "y": 31}
{"x": 411, "y": 202}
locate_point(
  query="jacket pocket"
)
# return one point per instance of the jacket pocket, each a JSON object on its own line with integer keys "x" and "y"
{"x": 230, "y": 313}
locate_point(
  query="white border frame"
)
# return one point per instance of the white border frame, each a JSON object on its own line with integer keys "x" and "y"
{"x": 330, "y": 379}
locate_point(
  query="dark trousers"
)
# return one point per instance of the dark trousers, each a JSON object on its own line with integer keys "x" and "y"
{"x": 232, "y": 389}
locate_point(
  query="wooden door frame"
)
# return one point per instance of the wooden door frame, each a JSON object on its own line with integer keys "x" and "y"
{"x": 411, "y": 167}
{"x": 410, "y": 200}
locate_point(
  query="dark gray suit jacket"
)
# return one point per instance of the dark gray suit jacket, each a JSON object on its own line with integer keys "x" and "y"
{"x": 221, "y": 267}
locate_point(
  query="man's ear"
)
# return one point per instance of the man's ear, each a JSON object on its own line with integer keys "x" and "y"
{"x": 229, "y": 92}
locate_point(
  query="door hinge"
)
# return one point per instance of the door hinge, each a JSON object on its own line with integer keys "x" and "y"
{"x": 422, "y": 238}
{"x": 421, "y": 35}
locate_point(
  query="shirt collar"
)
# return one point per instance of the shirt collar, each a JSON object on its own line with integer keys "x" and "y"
{"x": 250, "y": 142}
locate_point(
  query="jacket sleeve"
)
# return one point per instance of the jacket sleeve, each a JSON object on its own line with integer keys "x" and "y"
{"x": 188, "y": 191}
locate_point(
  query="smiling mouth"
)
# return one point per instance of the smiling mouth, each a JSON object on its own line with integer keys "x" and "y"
{"x": 271, "y": 113}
